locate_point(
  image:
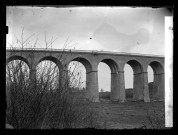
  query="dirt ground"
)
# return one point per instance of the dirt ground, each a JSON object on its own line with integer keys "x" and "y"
{"x": 129, "y": 115}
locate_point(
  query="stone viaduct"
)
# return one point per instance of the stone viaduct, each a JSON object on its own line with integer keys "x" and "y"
{"x": 91, "y": 59}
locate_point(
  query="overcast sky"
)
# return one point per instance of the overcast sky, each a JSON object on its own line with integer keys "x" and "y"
{"x": 120, "y": 29}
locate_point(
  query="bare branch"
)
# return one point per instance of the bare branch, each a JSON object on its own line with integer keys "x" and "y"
{"x": 29, "y": 38}
{"x": 22, "y": 37}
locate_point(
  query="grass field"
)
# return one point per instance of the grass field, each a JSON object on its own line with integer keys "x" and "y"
{"x": 130, "y": 115}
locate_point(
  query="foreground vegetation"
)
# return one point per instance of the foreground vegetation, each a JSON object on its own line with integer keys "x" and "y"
{"x": 32, "y": 105}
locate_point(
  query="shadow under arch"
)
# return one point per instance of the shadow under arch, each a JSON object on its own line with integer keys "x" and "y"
{"x": 114, "y": 77}
{"x": 52, "y": 59}
{"x": 136, "y": 66}
{"x": 112, "y": 65}
{"x": 157, "y": 67}
{"x": 85, "y": 62}
{"x": 138, "y": 91}
{"x": 18, "y": 58}
{"x": 156, "y": 89}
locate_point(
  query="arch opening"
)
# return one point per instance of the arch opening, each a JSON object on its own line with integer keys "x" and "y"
{"x": 150, "y": 81}
{"x": 17, "y": 73}
{"x": 78, "y": 69}
{"x": 107, "y": 73}
{"x": 77, "y": 76}
{"x": 47, "y": 75}
{"x": 104, "y": 81}
{"x": 137, "y": 80}
{"x": 156, "y": 86}
{"x": 128, "y": 72}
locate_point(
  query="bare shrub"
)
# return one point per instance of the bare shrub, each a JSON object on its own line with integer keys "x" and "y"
{"x": 46, "y": 105}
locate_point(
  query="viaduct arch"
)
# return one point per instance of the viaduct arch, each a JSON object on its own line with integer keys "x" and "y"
{"x": 91, "y": 60}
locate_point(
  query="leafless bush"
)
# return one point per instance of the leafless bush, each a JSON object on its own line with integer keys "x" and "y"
{"x": 50, "y": 104}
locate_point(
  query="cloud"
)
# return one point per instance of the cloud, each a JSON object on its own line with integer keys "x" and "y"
{"x": 109, "y": 37}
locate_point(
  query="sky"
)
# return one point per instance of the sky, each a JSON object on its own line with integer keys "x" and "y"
{"x": 117, "y": 29}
